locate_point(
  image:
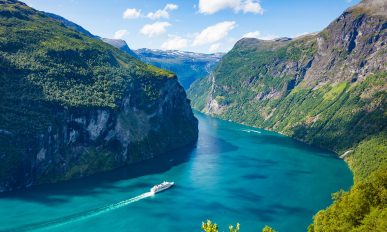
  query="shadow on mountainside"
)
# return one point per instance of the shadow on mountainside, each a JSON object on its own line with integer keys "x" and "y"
{"x": 58, "y": 193}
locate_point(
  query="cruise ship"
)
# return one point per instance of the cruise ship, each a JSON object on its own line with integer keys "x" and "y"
{"x": 161, "y": 187}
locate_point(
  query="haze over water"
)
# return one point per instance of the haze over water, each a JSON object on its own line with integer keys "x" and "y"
{"x": 234, "y": 174}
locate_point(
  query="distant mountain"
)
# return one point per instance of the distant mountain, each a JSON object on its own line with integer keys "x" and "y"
{"x": 188, "y": 66}
{"x": 328, "y": 89}
{"x": 120, "y": 44}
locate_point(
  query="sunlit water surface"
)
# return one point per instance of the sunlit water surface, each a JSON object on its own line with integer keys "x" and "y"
{"x": 233, "y": 174}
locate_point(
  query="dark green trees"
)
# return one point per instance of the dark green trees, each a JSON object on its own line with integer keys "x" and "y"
{"x": 363, "y": 208}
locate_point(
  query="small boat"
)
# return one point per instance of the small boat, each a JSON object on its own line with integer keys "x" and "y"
{"x": 161, "y": 187}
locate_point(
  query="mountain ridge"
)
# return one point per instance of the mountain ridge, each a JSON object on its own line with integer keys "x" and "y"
{"x": 120, "y": 44}
{"x": 71, "y": 24}
{"x": 189, "y": 66}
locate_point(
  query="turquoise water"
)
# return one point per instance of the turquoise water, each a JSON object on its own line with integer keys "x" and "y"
{"x": 233, "y": 174}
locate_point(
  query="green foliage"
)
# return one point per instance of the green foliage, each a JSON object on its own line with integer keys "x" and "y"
{"x": 209, "y": 226}
{"x": 43, "y": 64}
{"x": 363, "y": 208}
{"x": 268, "y": 229}
{"x": 234, "y": 229}
{"x": 336, "y": 116}
{"x": 49, "y": 72}
{"x": 244, "y": 73}
{"x": 199, "y": 93}
{"x": 345, "y": 116}
{"x": 91, "y": 162}
{"x": 334, "y": 92}
{"x": 68, "y": 67}
{"x": 369, "y": 156}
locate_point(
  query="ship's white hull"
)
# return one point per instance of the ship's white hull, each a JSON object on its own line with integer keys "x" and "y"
{"x": 161, "y": 187}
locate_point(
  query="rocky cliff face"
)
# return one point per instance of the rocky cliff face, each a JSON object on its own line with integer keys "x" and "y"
{"x": 83, "y": 141}
{"x": 351, "y": 47}
{"x": 73, "y": 106}
{"x": 328, "y": 89}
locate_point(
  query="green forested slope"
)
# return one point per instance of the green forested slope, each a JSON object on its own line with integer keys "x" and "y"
{"x": 327, "y": 89}
{"x": 85, "y": 71}
{"x": 72, "y": 106}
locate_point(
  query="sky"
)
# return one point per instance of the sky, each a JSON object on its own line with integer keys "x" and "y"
{"x": 205, "y": 26}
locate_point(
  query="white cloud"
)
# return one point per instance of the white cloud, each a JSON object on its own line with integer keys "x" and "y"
{"x": 300, "y": 34}
{"x": 175, "y": 43}
{"x": 119, "y": 34}
{"x": 214, "y": 47}
{"x": 251, "y": 6}
{"x": 268, "y": 37}
{"x": 162, "y": 13}
{"x": 131, "y": 13}
{"x": 155, "y": 29}
{"x": 258, "y": 35}
{"x": 213, "y": 6}
{"x": 214, "y": 33}
{"x": 171, "y": 6}
{"x": 253, "y": 34}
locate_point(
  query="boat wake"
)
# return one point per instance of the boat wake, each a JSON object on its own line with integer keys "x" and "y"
{"x": 252, "y": 131}
{"x": 81, "y": 216}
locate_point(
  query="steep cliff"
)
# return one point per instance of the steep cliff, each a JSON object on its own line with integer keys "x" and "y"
{"x": 328, "y": 89}
{"x": 72, "y": 105}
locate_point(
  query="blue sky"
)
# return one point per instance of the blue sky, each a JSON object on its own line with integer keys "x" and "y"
{"x": 196, "y": 25}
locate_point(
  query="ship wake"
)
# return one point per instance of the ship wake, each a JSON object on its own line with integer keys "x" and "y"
{"x": 252, "y": 131}
{"x": 81, "y": 216}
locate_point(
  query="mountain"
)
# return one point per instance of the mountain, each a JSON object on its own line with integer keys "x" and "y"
{"x": 327, "y": 89}
{"x": 72, "y": 105}
{"x": 188, "y": 66}
{"x": 120, "y": 44}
